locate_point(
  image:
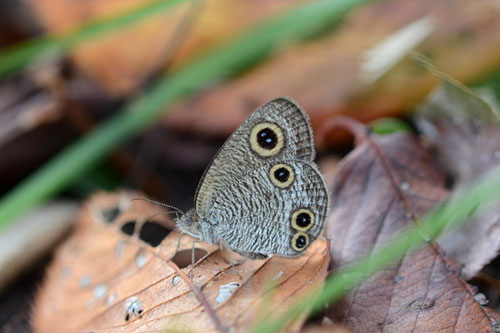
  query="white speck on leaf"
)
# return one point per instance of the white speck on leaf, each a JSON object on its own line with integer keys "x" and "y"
{"x": 133, "y": 306}
{"x": 111, "y": 299}
{"x": 85, "y": 281}
{"x": 100, "y": 291}
{"x": 226, "y": 291}
{"x": 119, "y": 249}
{"x": 140, "y": 260}
{"x": 481, "y": 299}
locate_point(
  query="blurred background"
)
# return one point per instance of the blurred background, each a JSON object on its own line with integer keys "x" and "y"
{"x": 99, "y": 95}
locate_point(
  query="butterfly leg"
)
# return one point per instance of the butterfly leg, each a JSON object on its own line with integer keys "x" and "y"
{"x": 192, "y": 253}
{"x": 190, "y": 273}
{"x": 224, "y": 251}
{"x": 178, "y": 243}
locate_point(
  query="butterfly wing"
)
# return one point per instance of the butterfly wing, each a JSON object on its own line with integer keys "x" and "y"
{"x": 278, "y": 130}
{"x": 279, "y": 208}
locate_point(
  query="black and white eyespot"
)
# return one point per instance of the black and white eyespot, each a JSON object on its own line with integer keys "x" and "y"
{"x": 300, "y": 241}
{"x": 302, "y": 219}
{"x": 266, "y": 139}
{"x": 282, "y": 175}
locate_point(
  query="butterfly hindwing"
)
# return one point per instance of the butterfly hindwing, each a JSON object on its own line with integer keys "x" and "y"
{"x": 278, "y": 208}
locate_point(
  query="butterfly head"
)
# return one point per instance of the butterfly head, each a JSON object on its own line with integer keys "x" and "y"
{"x": 187, "y": 223}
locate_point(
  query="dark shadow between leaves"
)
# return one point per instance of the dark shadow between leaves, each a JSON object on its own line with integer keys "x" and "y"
{"x": 128, "y": 228}
{"x": 153, "y": 233}
{"x": 183, "y": 258}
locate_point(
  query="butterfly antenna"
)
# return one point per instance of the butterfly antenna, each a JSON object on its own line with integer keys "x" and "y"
{"x": 163, "y": 213}
{"x": 159, "y": 204}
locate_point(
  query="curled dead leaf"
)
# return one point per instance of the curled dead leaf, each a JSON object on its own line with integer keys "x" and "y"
{"x": 464, "y": 132}
{"x": 385, "y": 184}
{"x": 118, "y": 273}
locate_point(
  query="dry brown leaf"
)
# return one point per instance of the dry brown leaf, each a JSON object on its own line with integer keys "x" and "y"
{"x": 380, "y": 189}
{"x": 121, "y": 60}
{"x": 464, "y": 131}
{"x": 324, "y": 75}
{"x": 100, "y": 274}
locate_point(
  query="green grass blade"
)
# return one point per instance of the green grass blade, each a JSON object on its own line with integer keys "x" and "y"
{"x": 451, "y": 213}
{"x": 16, "y": 57}
{"x": 215, "y": 65}
{"x": 384, "y": 126}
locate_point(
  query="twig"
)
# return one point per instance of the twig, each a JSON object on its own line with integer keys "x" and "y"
{"x": 199, "y": 295}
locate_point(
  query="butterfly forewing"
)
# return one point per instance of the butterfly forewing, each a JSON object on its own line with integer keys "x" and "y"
{"x": 278, "y": 130}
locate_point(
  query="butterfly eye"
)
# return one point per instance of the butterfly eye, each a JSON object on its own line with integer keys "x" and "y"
{"x": 266, "y": 139}
{"x": 282, "y": 175}
{"x": 302, "y": 219}
{"x": 300, "y": 241}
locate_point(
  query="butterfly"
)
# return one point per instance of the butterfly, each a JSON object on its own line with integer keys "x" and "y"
{"x": 262, "y": 194}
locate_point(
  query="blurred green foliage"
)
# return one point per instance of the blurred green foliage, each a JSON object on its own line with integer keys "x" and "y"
{"x": 384, "y": 126}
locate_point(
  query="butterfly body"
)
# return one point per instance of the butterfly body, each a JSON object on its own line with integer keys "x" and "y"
{"x": 262, "y": 194}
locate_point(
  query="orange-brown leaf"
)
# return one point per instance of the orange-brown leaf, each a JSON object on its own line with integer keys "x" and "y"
{"x": 100, "y": 272}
